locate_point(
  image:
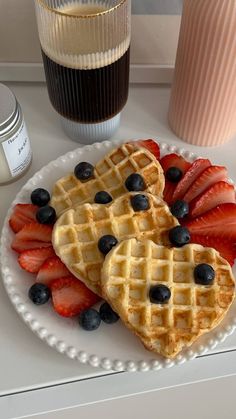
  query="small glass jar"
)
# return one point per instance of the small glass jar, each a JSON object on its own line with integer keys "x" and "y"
{"x": 15, "y": 149}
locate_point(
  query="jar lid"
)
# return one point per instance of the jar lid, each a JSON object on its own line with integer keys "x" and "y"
{"x": 8, "y": 109}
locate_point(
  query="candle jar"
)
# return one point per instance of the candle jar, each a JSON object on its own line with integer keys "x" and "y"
{"x": 203, "y": 101}
{"x": 15, "y": 150}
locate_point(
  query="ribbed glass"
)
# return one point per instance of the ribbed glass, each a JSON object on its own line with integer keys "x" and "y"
{"x": 85, "y": 48}
{"x": 203, "y": 100}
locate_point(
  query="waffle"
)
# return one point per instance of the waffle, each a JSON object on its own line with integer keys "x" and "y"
{"x": 132, "y": 267}
{"x": 76, "y": 233}
{"x": 109, "y": 175}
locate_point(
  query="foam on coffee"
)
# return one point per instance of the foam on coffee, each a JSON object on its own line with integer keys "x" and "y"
{"x": 88, "y": 44}
{"x": 86, "y": 61}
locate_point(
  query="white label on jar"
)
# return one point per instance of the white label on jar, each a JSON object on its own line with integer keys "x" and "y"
{"x": 18, "y": 151}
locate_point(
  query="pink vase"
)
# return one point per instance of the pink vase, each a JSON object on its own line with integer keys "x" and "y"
{"x": 202, "y": 107}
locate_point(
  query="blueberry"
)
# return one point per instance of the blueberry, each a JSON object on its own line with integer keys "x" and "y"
{"x": 89, "y": 319}
{"x": 102, "y": 197}
{"x": 204, "y": 274}
{"x": 39, "y": 293}
{"x": 40, "y": 197}
{"x": 174, "y": 175}
{"x": 179, "y": 236}
{"x": 107, "y": 314}
{"x": 139, "y": 202}
{"x": 46, "y": 215}
{"x": 179, "y": 209}
{"x": 159, "y": 294}
{"x": 83, "y": 171}
{"x": 135, "y": 183}
{"x": 105, "y": 243}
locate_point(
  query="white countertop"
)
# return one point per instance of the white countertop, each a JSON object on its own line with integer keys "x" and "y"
{"x": 25, "y": 361}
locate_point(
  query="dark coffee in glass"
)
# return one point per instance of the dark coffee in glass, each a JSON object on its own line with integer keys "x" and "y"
{"x": 86, "y": 54}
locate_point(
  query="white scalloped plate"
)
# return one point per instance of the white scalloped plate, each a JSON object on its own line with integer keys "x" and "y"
{"x": 111, "y": 347}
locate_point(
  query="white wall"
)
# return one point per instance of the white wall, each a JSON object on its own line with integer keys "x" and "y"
{"x": 144, "y": 7}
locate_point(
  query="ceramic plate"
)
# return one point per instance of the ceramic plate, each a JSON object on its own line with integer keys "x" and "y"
{"x": 111, "y": 347}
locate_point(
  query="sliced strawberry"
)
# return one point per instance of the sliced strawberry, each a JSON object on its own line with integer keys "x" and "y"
{"x": 190, "y": 176}
{"x": 28, "y": 210}
{"x": 172, "y": 160}
{"x": 35, "y": 232}
{"x": 168, "y": 191}
{"x": 151, "y": 146}
{"x": 31, "y": 260}
{"x": 51, "y": 269}
{"x": 22, "y": 214}
{"x": 226, "y": 249}
{"x": 219, "y": 193}
{"x": 218, "y": 222}
{"x": 209, "y": 177}
{"x": 70, "y": 296}
{"x": 21, "y": 245}
{"x": 32, "y": 236}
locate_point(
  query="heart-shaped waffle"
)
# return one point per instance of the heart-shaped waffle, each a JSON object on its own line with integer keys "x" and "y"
{"x": 109, "y": 175}
{"x": 133, "y": 267}
{"x": 76, "y": 233}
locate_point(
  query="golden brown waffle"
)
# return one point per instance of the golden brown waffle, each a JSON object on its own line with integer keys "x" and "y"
{"x": 110, "y": 175}
{"x": 76, "y": 233}
{"x": 132, "y": 267}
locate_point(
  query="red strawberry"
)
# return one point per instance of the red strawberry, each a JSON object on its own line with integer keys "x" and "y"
{"x": 172, "y": 160}
{"x": 151, "y": 146}
{"x": 21, "y": 245}
{"x": 22, "y": 214}
{"x": 168, "y": 191}
{"x": 226, "y": 249}
{"x": 31, "y": 260}
{"x": 51, "y": 269}
{"x": 70, "y": 296}
{"x": 32, "y": 236}
{"x": 218, "y": 222}
{"x": 219, "y": 193}
{"x": 209, "y": 177}
{"x": 34, "y": 232}
{"x": 190, "y": 176}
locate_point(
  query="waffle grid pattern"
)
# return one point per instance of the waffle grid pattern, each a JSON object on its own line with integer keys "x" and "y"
{"x": 76, "y": 233}
{"x": 51, "y": 333}
{"x": 133, "y": 267}
{"x": 109, "y": 175}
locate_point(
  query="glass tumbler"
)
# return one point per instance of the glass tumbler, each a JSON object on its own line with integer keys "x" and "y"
{"x": 86, "y": 53}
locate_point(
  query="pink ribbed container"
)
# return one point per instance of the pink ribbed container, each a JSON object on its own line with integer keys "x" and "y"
{"x": 202, "y": 108}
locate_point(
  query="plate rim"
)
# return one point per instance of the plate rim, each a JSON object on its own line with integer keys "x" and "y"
{"x": 61, "y": 346}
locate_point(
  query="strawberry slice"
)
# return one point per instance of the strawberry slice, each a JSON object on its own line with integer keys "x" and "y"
{"x": 22, "y": 214}
{"x": 32, "y": 236}
{"x": 51, "y": 269}
{"x": 31, "y": 260}
{"x": 35, "y": 232}
{"x": 21, "y": 245}
{"x": 151, "y": 146}
{"x": 218, "y": 222}
{"x": 219, "y": 193}
{"x": 172, "y": 160}
{"x": 168, "y": 192}
{"x": 226, "y": 249}
{"x": 70, "y": 296}
{"x": 209, "y": 177}
{"x": 190, "y": 176}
